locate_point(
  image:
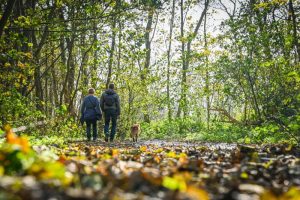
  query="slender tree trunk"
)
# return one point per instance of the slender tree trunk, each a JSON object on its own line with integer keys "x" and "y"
{"x": 254, "y": 97}
{"x": 148, "y": 56}
{"x": 93, "y": 70}
{"x": 63, "y": 61}
{"x": 119, "y": 50}
{"x": 85, "y": 57}
{"x": 183, "y": 80}
{"x": 245, "y": 111}
{"x": 8, "y": 10}
{"x": 37, "y": 70}
{"x": 113, "y": 43}
{"x": 71, "y": 75}
{"x": 148, "y": 41}
{"x": 54, "y": 84}
{"x": 111, "y": 53}
{"x": 186, "y": 57}
{"x": 206, "y": 76}
{"x": 294, "y": 24}
{"x": 169, "y": 60}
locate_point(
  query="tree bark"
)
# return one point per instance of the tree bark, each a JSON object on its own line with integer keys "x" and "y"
{"x": 145, "y": 72}
{"x": 206, "y": 76}
{"x": 294, "y": 23}
{"x": 111, "y": 53}
{"x": 183, "y": 80}
{"x": 71, "y": 75}
{"x": 148, "y": 42}
{"x": 186, "y": 57}
{"x": 37, "y": 70}
{"x": 8, "y": 10}
{"x": 169, "y": 60}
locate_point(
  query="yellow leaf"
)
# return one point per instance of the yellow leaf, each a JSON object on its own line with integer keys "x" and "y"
{"x": 183, "y": 160}
{"x": 115, "y": 153}
{"x": 143, "y": 148}
{"x": 196, "y": 193}
{"x": 292, "y": 194}
{"x": 24, "y": 144}
{"x": 87, "y": 169}
{"x": 175, "y": 183}
{"x": 159, "y": 150}
{"x": 2, "y": 170}
{"x": 268, "y": 195}
{"x": 157, "y": 159}
{"x": 244, "y": 175}
{"x": 171, "y": 154}
{"x": 21, "y": 65}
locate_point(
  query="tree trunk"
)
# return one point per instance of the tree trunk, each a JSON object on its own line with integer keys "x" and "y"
{"x": 186, "y": 58}
{"x": 148, "y": 41}
{"x": 119, "y": 50}
{"x": 92, "y": 80}
{"x": 54, "y": 84}
{"x": 71, "y": 75}
{"x": 206, "y": 77}
{"x": 8, "y": 10}
{"x": 37, "y": 70}
{"x": 148, "y": 56}
{"x": 111, "y": 53}
{"x": 169, "y": 60}
{"x": 183, "y": 80}
{"x": 63, "y": 60}
{"x": 294, "y": 23}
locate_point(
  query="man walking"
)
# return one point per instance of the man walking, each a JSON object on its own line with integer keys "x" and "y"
{"x": 90, "y": 113}
{"x": 110, "y": 105}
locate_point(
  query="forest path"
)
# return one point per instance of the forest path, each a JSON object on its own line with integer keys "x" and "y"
{"x": 153, "y": 170}
{"x": 163, "y": 143}
{"x": 156, "y": 169}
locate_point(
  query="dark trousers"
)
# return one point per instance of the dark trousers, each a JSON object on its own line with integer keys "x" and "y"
{"x": 90, "y": 123}
{"x": 110, "y": 115}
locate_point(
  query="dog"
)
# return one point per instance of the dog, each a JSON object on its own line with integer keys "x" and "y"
{"x": 135, "y": 131}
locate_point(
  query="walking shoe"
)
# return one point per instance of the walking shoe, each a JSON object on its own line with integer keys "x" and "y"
{"x": 106, "y": 139}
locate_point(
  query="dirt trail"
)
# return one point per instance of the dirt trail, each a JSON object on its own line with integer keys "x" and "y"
{"x": 158, "y": 169}
{"x": 224, "y": 171}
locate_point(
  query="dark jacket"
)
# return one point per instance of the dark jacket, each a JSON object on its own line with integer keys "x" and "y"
{"x": 115, "y": 106}
{"x": 90, "y": 108}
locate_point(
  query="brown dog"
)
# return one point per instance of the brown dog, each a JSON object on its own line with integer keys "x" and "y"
{"x": 135, "y": 131}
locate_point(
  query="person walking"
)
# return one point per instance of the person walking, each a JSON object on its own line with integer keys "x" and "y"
{"x": 110, "y": 105}
{"x": 90, "y": 113}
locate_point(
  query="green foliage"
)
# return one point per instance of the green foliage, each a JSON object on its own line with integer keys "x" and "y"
{"x": 174, "y": 129}
{"x": 219, "y": 132}
{"x": 49, "y": 140}
{"x": 18, "y": 158}
{"x": 16, "y": 109}
{"x": 250, "y": 70}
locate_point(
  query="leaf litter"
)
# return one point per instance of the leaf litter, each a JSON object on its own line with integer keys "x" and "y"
{"x": 149, "y": 170}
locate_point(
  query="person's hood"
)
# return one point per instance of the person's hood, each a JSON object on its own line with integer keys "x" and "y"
{"x": 110, "y": 91}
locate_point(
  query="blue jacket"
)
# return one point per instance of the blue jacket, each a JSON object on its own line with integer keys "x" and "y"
{"x": 90, "y": 108}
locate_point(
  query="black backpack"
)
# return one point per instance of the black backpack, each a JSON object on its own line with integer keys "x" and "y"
{"x": 109, "y": 99}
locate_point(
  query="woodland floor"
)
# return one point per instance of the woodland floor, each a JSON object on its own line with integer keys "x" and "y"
{"x": 164, "y": 170}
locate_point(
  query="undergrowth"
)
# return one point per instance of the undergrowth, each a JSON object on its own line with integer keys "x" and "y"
{"x": 62, "y": 131}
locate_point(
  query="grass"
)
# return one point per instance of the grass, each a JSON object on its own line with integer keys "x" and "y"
{"x": 178, "y": 130}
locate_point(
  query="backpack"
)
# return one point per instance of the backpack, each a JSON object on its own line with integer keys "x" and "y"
{"x": 109, "y": 99}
